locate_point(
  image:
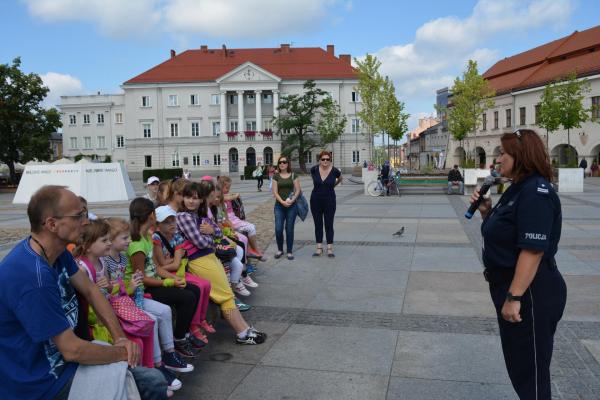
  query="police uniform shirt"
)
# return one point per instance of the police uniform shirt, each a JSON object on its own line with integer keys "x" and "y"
{"x": 527, "y": 216}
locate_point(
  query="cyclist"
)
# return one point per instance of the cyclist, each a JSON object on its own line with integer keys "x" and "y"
{"x": 385, "y": 176}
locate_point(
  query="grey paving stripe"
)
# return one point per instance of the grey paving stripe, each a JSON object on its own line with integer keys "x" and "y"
{"x": 364, "y": 243}
{"x": 580, "y": 201}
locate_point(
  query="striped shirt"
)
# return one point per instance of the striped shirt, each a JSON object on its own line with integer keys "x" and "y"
{"x": 115, "y": 268}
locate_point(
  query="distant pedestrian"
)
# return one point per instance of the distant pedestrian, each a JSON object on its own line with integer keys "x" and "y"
{"x": 152, "y": 190}
{"x": 271, "y": 170}
{"x": 385, "y": 176}
{"x": 258, "y": 174}
{"x": 323, "y": 200}
{"x": 286, "y": 189}
{"x": 583, "y": 165}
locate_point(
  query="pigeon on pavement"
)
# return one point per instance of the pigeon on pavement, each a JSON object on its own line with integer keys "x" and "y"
{"x": 399, "y": 233}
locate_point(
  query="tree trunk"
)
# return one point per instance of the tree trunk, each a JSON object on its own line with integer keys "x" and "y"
{"x": 301, "y": 160}
{"x": 388, "y": 146}
{"x": 13, "y": 172}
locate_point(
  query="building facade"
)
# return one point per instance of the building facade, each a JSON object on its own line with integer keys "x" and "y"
{"x": 519, "y": 82}
{"x": 211, "y": 111}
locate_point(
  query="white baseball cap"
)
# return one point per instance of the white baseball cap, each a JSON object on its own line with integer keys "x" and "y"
{"x": 164, "y": 212}
{"x": 152, "y": 179}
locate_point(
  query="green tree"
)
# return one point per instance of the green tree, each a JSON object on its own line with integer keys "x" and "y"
{"x": 570, "y": 93}
{"x": 25, "y": 126}
{"x": 549, "y": 112}
{"x": 390, "y": 116}
{"x": 471, "y": 97}
{"x": 313, "y": 120}
{"x": 369, "y": 87}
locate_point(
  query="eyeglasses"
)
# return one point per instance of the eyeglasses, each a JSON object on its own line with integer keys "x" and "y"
{"x": 517, "y": 133}
{"x": 82, "y": 215}
{"x": 283, "y": 162}
{"x": 325, "y": 159}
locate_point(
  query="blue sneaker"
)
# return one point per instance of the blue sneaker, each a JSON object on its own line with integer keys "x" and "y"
{"x": 242, "y": 306}
{"x": 174, "y": 362}
{"x": 172, "y": 381}
{"x": 250, "y": 268}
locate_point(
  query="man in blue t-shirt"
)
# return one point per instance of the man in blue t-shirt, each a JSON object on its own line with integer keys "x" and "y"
{"x": 39, "y": 352}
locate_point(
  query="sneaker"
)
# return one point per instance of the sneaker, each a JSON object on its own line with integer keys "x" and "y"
{"x": 169, "y": 394}
{"x": 172, "y": 381}
{"x": 240, "y": 289}
{"x": 195, "y": 342}
{"x": 184, "y": 348}
{"x": 174, "y": 362}
{"x": 242, "y": 306}
{"x": 208, "y": 328}
{"x": 247, "y": 281}
{"x": 250, "y": 268}
{"x": 252, "y": 337}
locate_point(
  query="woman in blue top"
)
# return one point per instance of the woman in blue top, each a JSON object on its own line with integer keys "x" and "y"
{"x": 520, "y": 239}
{"x": 322, "y": 200}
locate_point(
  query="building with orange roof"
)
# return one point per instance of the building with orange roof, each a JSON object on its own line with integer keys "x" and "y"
{"x": 211, "y": 110}
{"x": 519, "y": 82}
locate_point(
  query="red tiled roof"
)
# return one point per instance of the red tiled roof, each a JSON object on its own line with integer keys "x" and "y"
{"x": 204, "y": 64}
{"x": 578, "y": 52}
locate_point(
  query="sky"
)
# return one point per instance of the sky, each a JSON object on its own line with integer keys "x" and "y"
{"x": 84, "y": 46}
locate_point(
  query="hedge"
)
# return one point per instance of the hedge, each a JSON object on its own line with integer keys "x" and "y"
{"x": 163, "y": 173}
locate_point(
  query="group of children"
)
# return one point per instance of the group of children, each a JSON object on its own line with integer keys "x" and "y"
{"x": 184, "y": 244}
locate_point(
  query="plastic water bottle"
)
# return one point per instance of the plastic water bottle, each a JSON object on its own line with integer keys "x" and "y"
{"x": 138, "y": 297}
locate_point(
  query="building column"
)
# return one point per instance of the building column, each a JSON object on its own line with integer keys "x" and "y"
{"x": 223, "y": 113}
{"x": 240, "y": 97}
{"x": 275, "y": 103}
{"x": 258, "y": 103}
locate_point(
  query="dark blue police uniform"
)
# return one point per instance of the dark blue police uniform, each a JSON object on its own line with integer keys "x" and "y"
{"x": 527, "y": 216}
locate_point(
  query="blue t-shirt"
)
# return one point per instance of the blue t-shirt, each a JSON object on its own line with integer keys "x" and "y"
{"x": 37, "y": 302}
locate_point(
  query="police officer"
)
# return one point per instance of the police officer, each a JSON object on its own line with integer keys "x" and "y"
{"x": 520, "y": 238}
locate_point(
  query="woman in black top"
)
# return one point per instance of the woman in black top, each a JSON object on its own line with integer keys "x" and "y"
{"x": 520, "y": 239}
{"x": 322, "y": 200}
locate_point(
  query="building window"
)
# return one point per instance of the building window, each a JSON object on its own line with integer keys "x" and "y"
{"x": 355, "y": 125}
{"x": 538, "y": 110}
{"x": 595, "y": 107}
{"x": 508, "y": 118}
{"x": 196, "y": 160}
{"x": 355, "y": 97}
{"x": 174, "y": 129}
{"x": 87, "y": 142}
{"x": 250, "y": 99}
{"x": 267, "y": 98}
{"x": 522, "y": 116}
{"x": 216, "y": 128}
{"x": 355, "y": 156}
{"x": 216, "y": 159}
{"x": 145, "y": 101}
{"x": 147, "y": 128}
{"x": 308, "y": 156}
{"x": 101, "y": 142}
{"x": 119, "y": 118}
{"x": 120, "y": 141}
{"x": 194, "y": 100}
{"x": 148, "y": 161}
{"x": 173, "y": 100}
{"x": 215, "y": 99}
{"x": 233, "y": 99}
{"x": 100, "y": 118}
{"x": 195, "y": 129}
{"x": 175, "y": 159}
{"x": 250, "y": 125}
{"x": 268, "y": 124}
{"x": 72, "y": 120}
{"x": 233, "y": 126}
{"x": 484, "y": 121}
{"x": 73, "y": 143}
{"x": 86, "y": 119}
{"x": 495, "y": 119}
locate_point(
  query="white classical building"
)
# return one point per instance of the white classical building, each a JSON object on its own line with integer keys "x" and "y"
{"x": 519, "y": 82}
{"x": 211, "y": 110}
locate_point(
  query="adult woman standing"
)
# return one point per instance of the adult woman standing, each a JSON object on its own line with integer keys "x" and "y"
{"x": 520, "y": 238}
{"x": 286, "y": 189}
{"x": 322, "y": 200}
{"x": 258, "y": 174}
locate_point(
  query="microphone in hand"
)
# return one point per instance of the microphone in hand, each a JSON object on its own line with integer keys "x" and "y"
{"x": 487, "y": 184}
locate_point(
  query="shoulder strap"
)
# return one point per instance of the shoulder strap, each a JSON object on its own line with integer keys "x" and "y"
{"x": 166, "y": 243}
{"x": 89, "y": 266}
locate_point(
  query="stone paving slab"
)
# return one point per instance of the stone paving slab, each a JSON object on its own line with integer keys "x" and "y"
{"x": 364, "y": 299}
{"x": 275, "y": 383}
{"x": 582, "y": 298}
{"x": 445, "y": 260}
{"x": 418, "y": 389}
{"x": 325, "y": 348}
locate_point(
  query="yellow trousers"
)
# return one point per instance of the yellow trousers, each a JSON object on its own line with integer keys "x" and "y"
{"x": 210, "y": 268}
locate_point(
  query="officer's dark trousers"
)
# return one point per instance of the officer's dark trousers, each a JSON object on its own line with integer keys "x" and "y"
{"x": 527, "y": 345}
{"x": 323, "y": 208}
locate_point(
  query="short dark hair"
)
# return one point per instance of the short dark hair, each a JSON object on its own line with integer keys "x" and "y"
{"x": 455, "y": 166}
{"x": 43, "y": 204}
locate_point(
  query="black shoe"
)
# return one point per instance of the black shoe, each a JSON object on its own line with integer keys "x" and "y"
{"x": 252, "y": 337}
{"x": 195, "y": 342}
{"x": 184, "y": 348}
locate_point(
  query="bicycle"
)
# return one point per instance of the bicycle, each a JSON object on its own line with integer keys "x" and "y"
{"x": 376, "y": 188}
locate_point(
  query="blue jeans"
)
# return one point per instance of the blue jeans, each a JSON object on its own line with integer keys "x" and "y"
{"x": 150, "y": 382}
{"x": 285, "y": 216}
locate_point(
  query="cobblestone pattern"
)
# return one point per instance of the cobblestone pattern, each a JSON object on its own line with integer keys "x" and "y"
{"x": 575, "y": 372}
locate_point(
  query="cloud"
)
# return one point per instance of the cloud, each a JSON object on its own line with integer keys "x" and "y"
{"x": 443, "y": 46}
{"x": 233, "y": 19}
{"x": 60, "y": 85}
